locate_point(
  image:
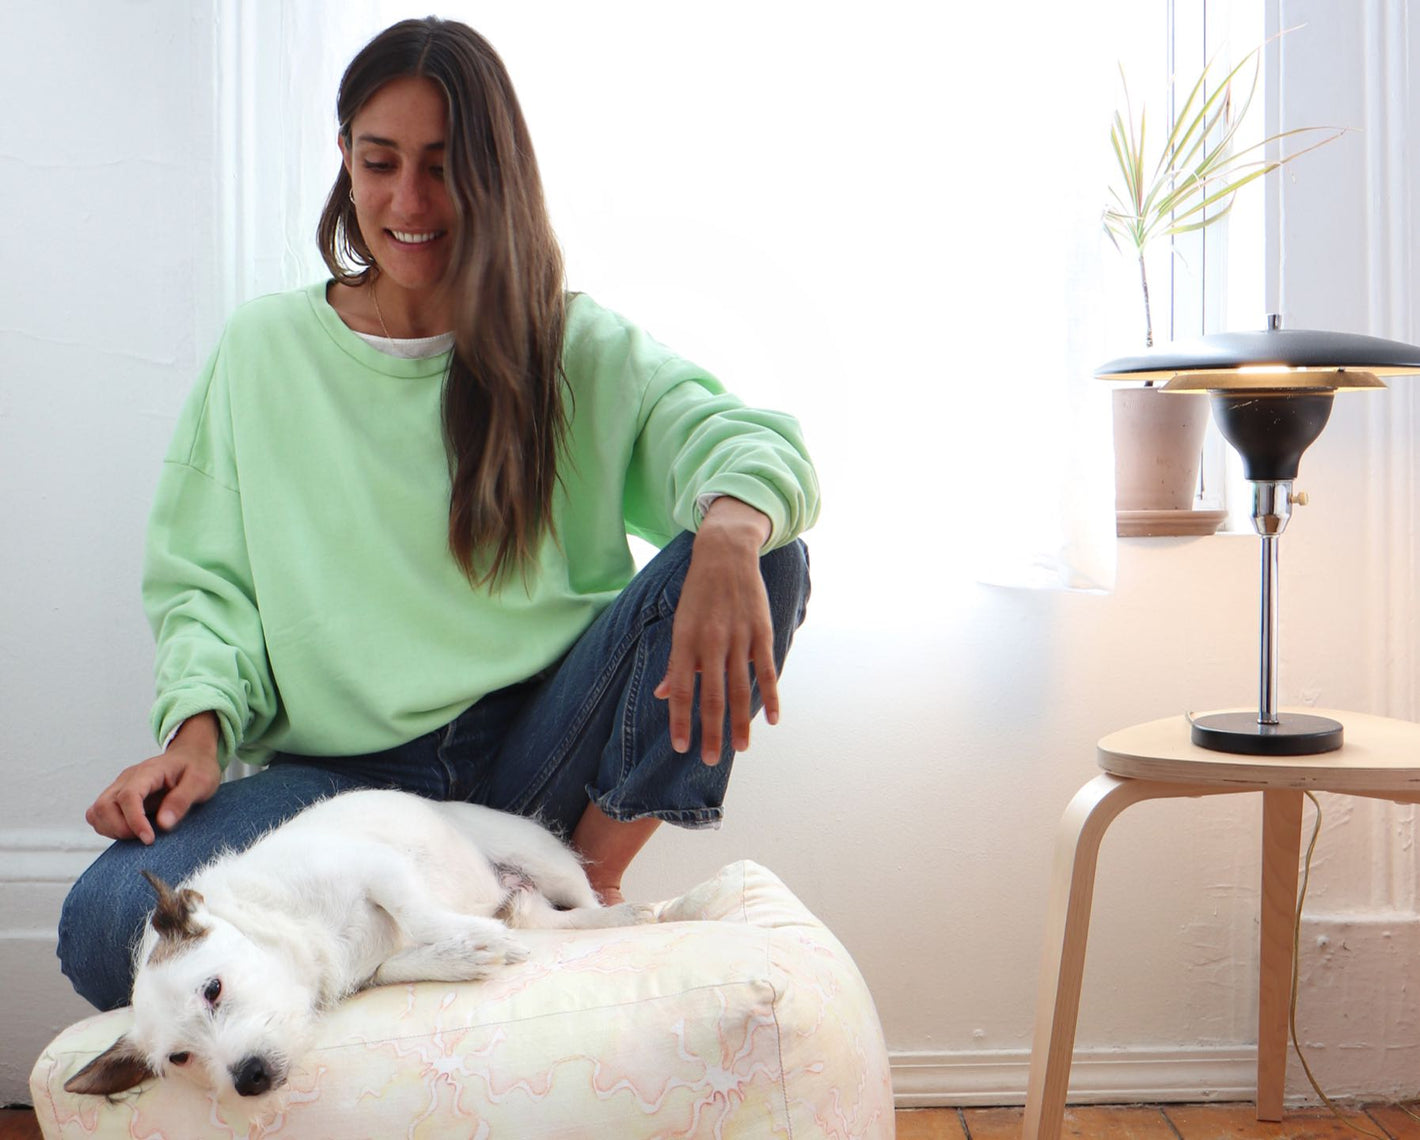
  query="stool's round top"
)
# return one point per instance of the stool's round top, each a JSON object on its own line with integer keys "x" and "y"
{"x": 1379, "y": 756}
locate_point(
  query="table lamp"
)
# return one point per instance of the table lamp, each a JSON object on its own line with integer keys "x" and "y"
{"x": 1271, "y": 393}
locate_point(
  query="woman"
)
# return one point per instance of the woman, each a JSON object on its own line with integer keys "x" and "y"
{"x": 388, "y": 547}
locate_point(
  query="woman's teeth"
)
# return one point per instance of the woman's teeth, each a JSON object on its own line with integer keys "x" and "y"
{"x": 414, "y": 239}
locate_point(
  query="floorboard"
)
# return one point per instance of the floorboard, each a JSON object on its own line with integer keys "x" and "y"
{"x": 1132, "y": 1122}
{"x": 1396, "y": 1121}
{"x": 18, "y": 1124}
{"x": 930, "y": 1124}
{"x": 1231, "y": 1121}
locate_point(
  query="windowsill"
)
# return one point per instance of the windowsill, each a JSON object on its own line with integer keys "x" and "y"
{"x": 1168, "y": 524}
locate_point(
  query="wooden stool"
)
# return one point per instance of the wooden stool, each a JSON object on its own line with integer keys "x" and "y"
{"x": 1380, "y": 759}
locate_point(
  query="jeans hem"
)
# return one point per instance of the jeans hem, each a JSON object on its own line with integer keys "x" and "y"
{"x": 692, "y": 819}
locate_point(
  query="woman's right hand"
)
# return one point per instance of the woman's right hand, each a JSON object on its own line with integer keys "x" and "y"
{"x": 164, "y": 786}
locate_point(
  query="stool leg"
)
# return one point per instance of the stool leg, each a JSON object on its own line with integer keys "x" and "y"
{"x": 1066, "y": 929}
{"x": 1281, "y": 845}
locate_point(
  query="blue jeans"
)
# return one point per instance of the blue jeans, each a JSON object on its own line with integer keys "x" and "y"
{"x": 587, "y": 730}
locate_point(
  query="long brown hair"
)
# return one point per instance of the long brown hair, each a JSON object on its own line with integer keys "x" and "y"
{"x": 504, "y": 413}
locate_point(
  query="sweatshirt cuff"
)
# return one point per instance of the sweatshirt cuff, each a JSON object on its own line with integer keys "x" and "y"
{"x": 172, "y": 709}
{"x": 754, "y": 493}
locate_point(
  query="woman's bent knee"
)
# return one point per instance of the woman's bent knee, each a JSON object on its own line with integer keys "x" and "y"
{"x": 786, "y": 580}
{"x": 99, "y": 926}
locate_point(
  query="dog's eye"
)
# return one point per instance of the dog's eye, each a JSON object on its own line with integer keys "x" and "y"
{"x": 213, "y": 991}
{"x": 179, "y": 1059}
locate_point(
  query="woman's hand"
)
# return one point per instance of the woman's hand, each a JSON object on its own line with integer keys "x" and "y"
{"x": 186, "y": 773}
{"x": 722, "y": 626}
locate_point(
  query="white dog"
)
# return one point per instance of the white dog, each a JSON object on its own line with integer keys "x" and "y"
{"x": 366, "y": 888}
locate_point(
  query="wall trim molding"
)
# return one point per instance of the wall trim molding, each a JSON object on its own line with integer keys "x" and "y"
{"x": 1391, "y": 303}
{"x": 47, "y": 854}
{"x": 1099, "y": 1076}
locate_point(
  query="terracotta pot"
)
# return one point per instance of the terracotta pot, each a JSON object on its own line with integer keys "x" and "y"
{"x": 1158, "y": 443}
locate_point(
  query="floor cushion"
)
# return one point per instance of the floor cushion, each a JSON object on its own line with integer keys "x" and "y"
{"x": 738, "y": 1015}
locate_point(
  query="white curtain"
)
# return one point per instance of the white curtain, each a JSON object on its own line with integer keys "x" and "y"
{"x": 883, "y": 218}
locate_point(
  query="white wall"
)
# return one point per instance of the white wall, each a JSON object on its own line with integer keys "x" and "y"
{"x": 933, "y": 730}
{"x": 105, "y": 185}
{"x": 1344, "y": 257}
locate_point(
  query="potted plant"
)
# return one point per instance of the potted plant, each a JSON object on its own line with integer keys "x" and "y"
{"x": 1189, "y": 186}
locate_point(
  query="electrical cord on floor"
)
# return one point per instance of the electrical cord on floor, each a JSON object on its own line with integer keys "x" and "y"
{"x": 1296, "y": 972}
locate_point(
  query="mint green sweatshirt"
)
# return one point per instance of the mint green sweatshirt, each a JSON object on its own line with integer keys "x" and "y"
{"x": 298, "y": 577}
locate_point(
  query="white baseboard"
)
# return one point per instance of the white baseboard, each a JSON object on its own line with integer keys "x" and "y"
{"x": 37, "y": 866}
{"x": 1107, "y": 1076}
{"x": 47, "y": 854}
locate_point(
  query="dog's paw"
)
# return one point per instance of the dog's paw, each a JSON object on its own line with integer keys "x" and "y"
{"x": 622, "y": 914}
{"x": 486, "y": 954}
{"x": 639, "y": 914}
{"x": 467, "y": 957}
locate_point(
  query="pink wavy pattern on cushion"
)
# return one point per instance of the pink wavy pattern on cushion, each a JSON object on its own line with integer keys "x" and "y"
{"x": 754, "y": 1023}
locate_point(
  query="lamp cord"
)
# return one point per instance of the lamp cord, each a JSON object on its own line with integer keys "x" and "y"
{"x": 1296, "y": 972}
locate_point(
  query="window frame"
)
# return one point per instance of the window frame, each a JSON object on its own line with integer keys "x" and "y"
{"x": 1227, "y": 290}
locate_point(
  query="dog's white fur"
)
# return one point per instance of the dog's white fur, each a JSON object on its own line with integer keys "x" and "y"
{"x": 366, "y": 888}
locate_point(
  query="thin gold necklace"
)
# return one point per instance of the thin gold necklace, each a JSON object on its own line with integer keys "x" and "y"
{"x": 376, "y": 298}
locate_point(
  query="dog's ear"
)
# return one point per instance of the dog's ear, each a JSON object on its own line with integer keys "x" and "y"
{"x": 116, "y": 1069}
{"x": 173, "y": 917}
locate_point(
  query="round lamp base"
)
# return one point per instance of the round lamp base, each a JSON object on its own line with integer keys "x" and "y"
{"x": 1296, "y": 734}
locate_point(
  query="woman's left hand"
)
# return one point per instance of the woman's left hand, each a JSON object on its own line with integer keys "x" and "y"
{"x": 722, "y": 626}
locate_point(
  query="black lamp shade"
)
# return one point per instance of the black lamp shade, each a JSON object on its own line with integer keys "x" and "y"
{"x": 1270, "y": 432}
{"x": 1305, "y": 349}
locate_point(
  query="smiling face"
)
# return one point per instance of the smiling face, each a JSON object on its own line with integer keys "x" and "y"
{"x": 395, "y": 159}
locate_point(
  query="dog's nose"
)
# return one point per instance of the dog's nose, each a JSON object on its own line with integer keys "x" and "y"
{"x": 251, "y": 1077}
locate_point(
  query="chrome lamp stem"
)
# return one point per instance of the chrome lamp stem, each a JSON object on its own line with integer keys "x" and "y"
{"x": 1267, "y": 690}
{"x": 1270, "y": 430}
{"x": 1271, "y": 510}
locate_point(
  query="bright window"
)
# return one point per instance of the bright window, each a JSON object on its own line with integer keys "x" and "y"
{"x": 1217, "y": 276}
{"x": 884, "y": 219}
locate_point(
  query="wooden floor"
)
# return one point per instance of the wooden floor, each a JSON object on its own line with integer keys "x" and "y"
{"x": 1169, "y": 1122}
{"x": 16, "y": 1124}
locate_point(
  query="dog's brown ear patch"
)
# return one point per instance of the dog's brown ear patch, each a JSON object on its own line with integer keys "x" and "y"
{"x": 118, "y": 1068}
{"x": 172, "y": 918}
